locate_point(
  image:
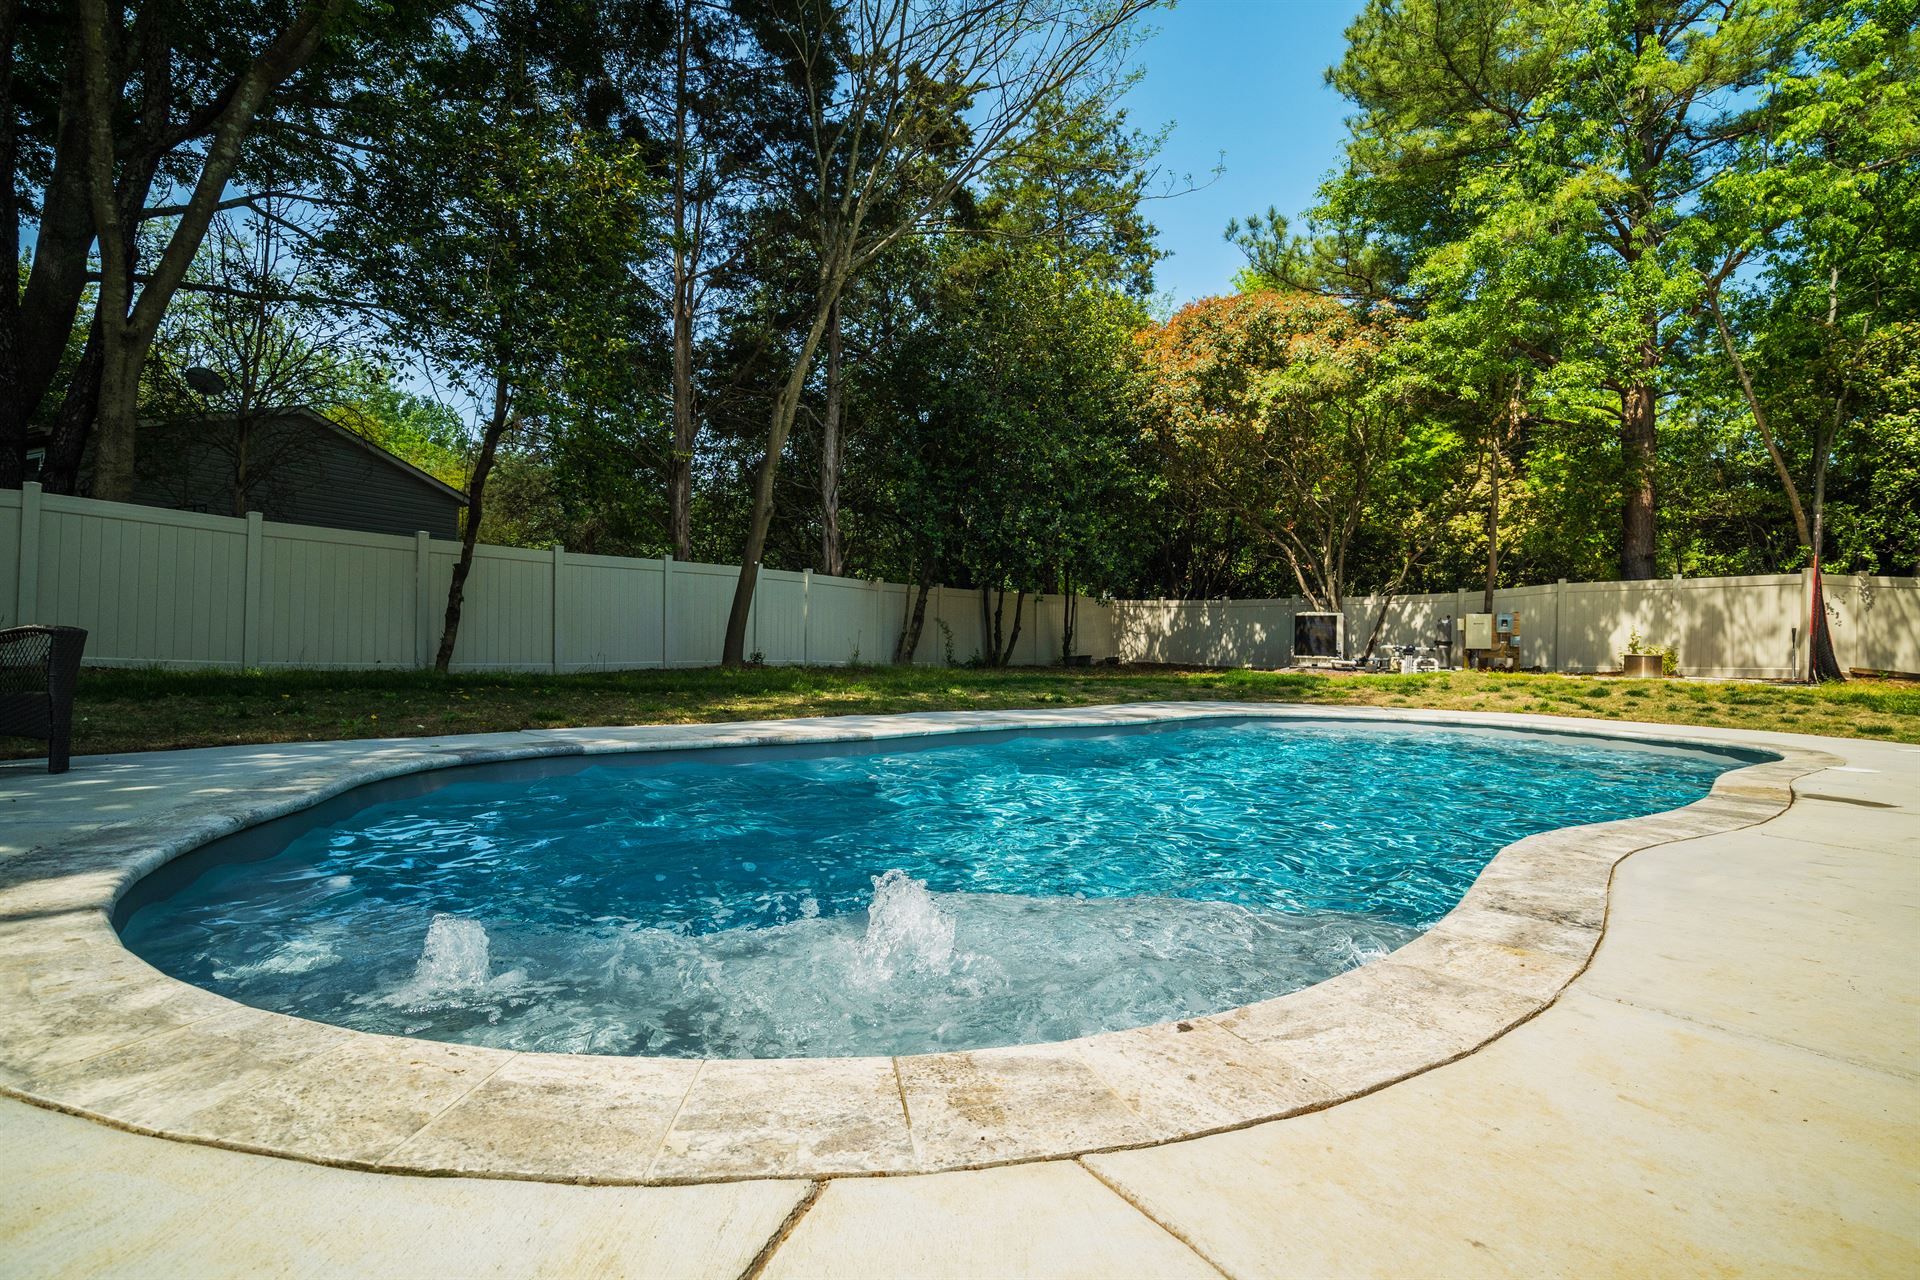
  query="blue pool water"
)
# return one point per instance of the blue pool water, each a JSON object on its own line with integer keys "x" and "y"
{"x": 951, "y": 893}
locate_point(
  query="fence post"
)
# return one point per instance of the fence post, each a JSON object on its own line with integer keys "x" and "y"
{"x": 753, "y": 614}
{"x": 27, "y": 581}
{"x": 939, "y": 647}
{"x": 1802, "y": 649}
{"x": 1676, "y": 642}
{"x": 666, "y": 611}
{"x": 1559, "y": 590}
{"x": 806, "y": 614}
{"x": 1459, "y": 640}
{"x": 423, "y": 636}
{"x": 553, "y": 598}
{"x": 250, "y": 617}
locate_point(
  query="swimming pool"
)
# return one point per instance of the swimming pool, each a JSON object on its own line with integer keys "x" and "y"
{"x": 911, "y": 896}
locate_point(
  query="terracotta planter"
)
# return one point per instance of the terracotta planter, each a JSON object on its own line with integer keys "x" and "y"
{"x": 1641, "y": 665}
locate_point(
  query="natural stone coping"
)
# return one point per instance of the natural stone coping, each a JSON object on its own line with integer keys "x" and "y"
{"x": 88, "y": 1028}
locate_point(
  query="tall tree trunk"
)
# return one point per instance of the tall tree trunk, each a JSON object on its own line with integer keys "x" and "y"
{"x": 997, "y": 643}
{"x": 476, "y": 507}
{"x": 989, "y": 628}
{"x": 909, "y": 642}
{"x": 242, "y": 466}
{"x": 1493, "y": 524}
{"x": 1069, "y": 618}
{"x": 39, "y": 318}
{"x": 832, "y": 563}
{"x": 117, "y": 411}
{"x": 1822, "y": 664}
{"x": 1637, "y": 420}
{"x": 1779, "y": 461}
{"x": 13, "y": 414}
{"x": 130, "y": 321}
{"x": 93, "y": 188}
{"x": 680, "y": 466}
{"x": 60, "y": 472}
{"x": 786, "y": 404}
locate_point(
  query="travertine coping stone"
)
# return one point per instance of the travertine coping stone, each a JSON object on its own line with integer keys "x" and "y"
{"x": 87, "y": 1027}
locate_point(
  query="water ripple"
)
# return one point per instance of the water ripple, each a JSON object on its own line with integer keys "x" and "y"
{"x": 961, "y": 895}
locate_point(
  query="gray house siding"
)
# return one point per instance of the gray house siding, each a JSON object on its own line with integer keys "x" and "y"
{"x": 301, "y": 469}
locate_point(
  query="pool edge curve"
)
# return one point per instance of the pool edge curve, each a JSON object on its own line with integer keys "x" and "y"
{"x": 88, "y": 1028}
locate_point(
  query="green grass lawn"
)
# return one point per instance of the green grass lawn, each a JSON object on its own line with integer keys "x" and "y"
{"x": 130, "y": 710}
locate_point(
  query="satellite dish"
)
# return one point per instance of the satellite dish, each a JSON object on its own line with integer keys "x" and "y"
{"x": 205, "y": 381}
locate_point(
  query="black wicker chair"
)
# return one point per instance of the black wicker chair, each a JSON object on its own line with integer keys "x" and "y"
{"x": 38, "y": 669}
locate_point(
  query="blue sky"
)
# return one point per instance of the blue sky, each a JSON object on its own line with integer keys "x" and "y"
{"x": 1243, "y": 77}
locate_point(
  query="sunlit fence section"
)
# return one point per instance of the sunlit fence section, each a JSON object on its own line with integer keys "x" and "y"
{"x": 182, "y": 589}
{"x": 1737, "y": 627}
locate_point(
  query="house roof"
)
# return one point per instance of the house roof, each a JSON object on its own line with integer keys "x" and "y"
{"x": 310, "y": 414}
{"x": 307, "y": 413}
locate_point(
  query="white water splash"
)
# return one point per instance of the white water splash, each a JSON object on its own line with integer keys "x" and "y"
{"x": 455, "y": 965}
{"x": 919, "y": 972}
{"x": 458, "y": 956}
{"x": 906, "y": 930}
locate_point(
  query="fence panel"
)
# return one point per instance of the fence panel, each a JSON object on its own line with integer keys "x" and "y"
{"x": 174, "y": 588}
{"x": 1736, "y": 627}
{"x": 608, "y": 614}
{"x": 847, "y": 622}
{"x": 892, "y": 600}
{"x": 1598, "y": 620}
{"x": 698, "y": 598}
{"x": 1205, "y": 633}
{"x": 506, "y": 613}
{"x": 1094, "y": 633}
{"x": 777, "y": 631}
{"x": 149, "y": 585}
{"x": 1535, "y": 613}
{"x": 952, "y": 627}
{"x": 1876, "y": 621}
{"x": 334, "y": 598}
{"x": 1410, "y": 620}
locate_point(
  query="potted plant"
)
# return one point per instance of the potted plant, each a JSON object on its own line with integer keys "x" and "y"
{"x": 1644, "y": 660}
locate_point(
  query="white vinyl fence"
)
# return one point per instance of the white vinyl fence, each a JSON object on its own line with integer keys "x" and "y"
{"x": 1740, "y": 627}
{"x": 180, "y": 589}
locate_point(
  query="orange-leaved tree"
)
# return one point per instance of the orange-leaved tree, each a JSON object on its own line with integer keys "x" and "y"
{"x": 1290, "y": 412}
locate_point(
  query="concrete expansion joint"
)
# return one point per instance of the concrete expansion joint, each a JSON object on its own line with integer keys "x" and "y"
{"x": 758, "y": 1265}
{"x": 1134, "y": 1204}
{"x": 679, "y": 1106}
{"x": 498, "y": 1067}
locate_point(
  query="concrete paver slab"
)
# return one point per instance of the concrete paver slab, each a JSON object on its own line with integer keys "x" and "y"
{"x": 80, "y": 1199}
{"x": 1600, "y": 1138}
{"x": 96, "y": 1031}
{"x": 1732, "y": 1087}
{"x": 1050, "y": 1219}
{"x": 1776, "y": 938}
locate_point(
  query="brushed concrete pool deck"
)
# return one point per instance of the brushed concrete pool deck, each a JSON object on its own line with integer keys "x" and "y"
{"x": 1732, "y": 1085}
